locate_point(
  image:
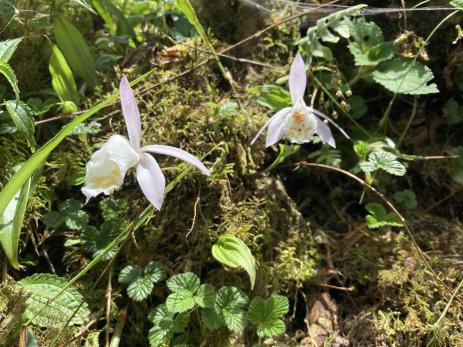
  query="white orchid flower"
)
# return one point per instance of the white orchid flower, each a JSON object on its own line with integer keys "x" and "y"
{"x": 108, "y": 165}
{"x": 300, "y": 122}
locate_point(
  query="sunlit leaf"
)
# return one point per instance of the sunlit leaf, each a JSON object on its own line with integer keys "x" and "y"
{"x": 267, "y": 313}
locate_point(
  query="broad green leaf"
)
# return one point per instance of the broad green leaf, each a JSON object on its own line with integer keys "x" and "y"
{"x": 212, "y": 318}
{"x": 77, "y": 52}
{"x": 271, "y": 96}
{"x": 231, "y": 302}
{"x": 8, "y": 73}
{"x": 11, "y": 223}
{"x": 154, "y": 271}
{"x": 185, "y": 281}
{"x": 102, "y": 9}
{"x": 205, "y": 296}
{"x": 130, "y": 274}
{"x": 62, "y": 78}
{"x": 407, "y": 198}
{"x": 458, "y": 4}
{"x": 21, "y": 115}
{"x": 367, "y": 45}
{"x": 379, "y": 217}
{"x": 7, "y": 48}
{"x": 404, "y": 76}
{"x": 233, "y": 252}
{"x": 94, "y": 241}
{"x": 43, "y": 288}
{"x": 385, "y": 161}
{"x": 140, "y": 289}
{"x": 267, "y": 313}
{"x": 180, "y": 301}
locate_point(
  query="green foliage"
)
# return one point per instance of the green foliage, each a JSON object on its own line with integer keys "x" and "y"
{"x": 69, "y": 213}
{"x": 94, "y": 241}
{"x": 76, "y": 51}
{"x": 7, "y": 10}
{"x": 454, "y": 112}
{"x": 407, "y": 198}
{"x": 21, "y": 115}
{"x": 379, "y": 217}
{"x": 114, "y": 209}
{"x": 267, "y": 314}
{"x": 233, "y": 252}
{"x": 188, "y": 292}
{"x": 457, "y": 4}
{"x": 228, "y": 109}
{"x": 44, "y": 312}
{"x": 8, "y": 47}
{"x": 8, "y": 73}
{"x": 228, "y": 310}
{"x": 284, "y": 152}
{"x": 368, "y": 46}
{"x": 358, "y": 106}
{"x": 404, "y": 76}
{"x": 141, "y": 282}
{"x": 91, "y": 128}
{"x": 271, "y": 96}
{"x": 385, "y": 161}
{"x": 62, "y": 78}
{"x": 166, "y": 324}
{"x": 327, "y": 155}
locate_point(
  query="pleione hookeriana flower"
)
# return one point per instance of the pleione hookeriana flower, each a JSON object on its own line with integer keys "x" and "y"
{"x": 108, "y": 166}
{"x": 299, "y": 122}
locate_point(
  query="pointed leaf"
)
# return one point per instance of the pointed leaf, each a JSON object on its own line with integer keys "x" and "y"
{"x": 7, "y": 48}
{"x": 62, "y": 78}
{"x": 21, "y": 115}
{"x": 130, "y": 274}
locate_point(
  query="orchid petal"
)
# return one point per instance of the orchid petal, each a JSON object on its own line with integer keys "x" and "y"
{"x": 297, "y": 78}
{"x": 277, "y": 126}
{"x": 276, "y": 116}
{"x": 324, "y": 132}
{"x": 107, "y": 167}
{"x": 151, "y": 180}
{"x": 131, "y": 113}
{"x": 324, "y": 116}
{"x": 177, "y": 153}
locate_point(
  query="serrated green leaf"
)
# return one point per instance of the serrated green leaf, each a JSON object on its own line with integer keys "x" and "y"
{"x": 271, "y": 96}
{"x": 187, "y": 281}
{"x": 65, "y": 308}
{"x": 233, "y": 252}
{"x": 230, "y": 302}
{"x": 11, "y": 221}
{"x": 228, "y": 109}
{"x": 114, "y": 209}
{"x": 407, "y": 198}
{"x": 7, "y": 48}
{"x": 379, "y": 217}
{"x": 166, "y": 324}
{"x": 76, "y": 51}
{"x": 76, "y": 220}
{"x": 458, "y": 4}
{"x": 212, "y": 318}
{"x": 62, "y": 78}
{"x": 130, "y": 274}
{"x": 154, "y": 271}
{"x": 21, "y": 115}
{"x": 140, "y": 289}
{"x": 180, "y": 301}
{"x": 405, "y": 77}
{"x": 205, "y": 296}
{"x": 267, "y": 313}
{"x": 94, "y": 241}
{"x": 53, "y": 219}
{"x": 385, "y": 161}
{"x": 8, "y": 73}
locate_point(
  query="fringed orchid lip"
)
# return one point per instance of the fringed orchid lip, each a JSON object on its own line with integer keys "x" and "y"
{"x": 107, "y": 167}
{"x": 298, "y": 123}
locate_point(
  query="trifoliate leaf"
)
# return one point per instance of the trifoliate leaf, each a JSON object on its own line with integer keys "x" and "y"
{"x": 407, "y": 198}
{"x": 404, "y": 76}
{"x": 130, "y": 274}
{"x": 140, "y": 289}
{"x": 154, "y": 271}
{"x": 94, "y": 241}
{"x": 385, "y": 161}
{"x": 379, "y": 217}
{"x": 229, "y": 307}
{"x": 180, "y": 301}
{"x": 267, "y": 313}
{"x": 54, "y": 312}
{"x": 166, "y": 324}
{"x": 233, "y": 252}
{"x": 205, "y": 296}
{"x": 184, "y": 281}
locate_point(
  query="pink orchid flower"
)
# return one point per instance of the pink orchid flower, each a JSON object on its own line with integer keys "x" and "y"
{"x": 108, "y": 165}
{"x": 300, "y": 122}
